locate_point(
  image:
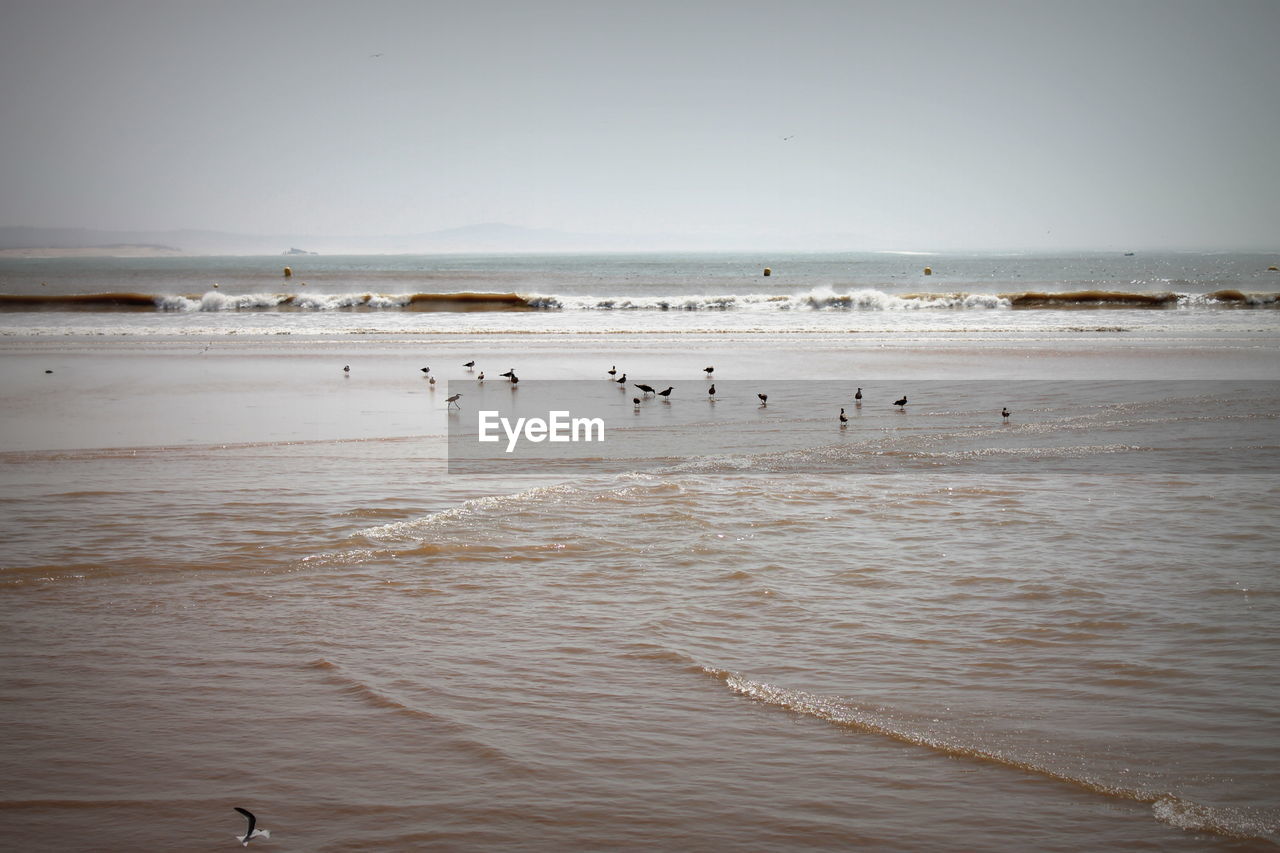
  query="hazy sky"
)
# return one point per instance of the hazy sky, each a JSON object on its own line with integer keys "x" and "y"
{"x": 949, "y": 124}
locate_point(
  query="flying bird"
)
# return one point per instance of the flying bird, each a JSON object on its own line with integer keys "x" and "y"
{"x": 251, "y": 833}
{"x": 453, "y": 401}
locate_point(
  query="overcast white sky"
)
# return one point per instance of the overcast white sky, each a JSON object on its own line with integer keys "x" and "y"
{"x": 914, "y": 124}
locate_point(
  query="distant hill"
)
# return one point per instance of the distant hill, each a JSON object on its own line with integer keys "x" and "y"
{"x": 483, "y": 238}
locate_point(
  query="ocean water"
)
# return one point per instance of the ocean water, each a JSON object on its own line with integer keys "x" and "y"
{"x": 235, "y": 574}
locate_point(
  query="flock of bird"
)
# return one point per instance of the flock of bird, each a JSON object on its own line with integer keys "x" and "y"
{"x": 649, "y": 390}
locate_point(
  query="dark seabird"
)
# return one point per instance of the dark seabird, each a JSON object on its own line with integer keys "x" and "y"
{"x": 426, "y": 370}
{"x": 667, "y": 393}
{"x": 469, "y": 365}
{"x": 711, "y": 392}
{"x": 346, "y": 368}
{"x": 708, "y": 371}
{"x": 251, "y": 833}
{"x": 844, "y": 419}
{"x": 508, "y": 374}
{"x": 48, "y": 371}
{"x": 514, "y": 379}
{"x": 480, "y": 378}
{"x": 858, "y": 396}
{"x": 431, "y": 380}
{"x": 636, "y": 400}
{"x": 764, "y": 399}
{"x": 648, "y": 389}
{"x": 1004, "y": 413}
{"x": 622, "y": 381}
{"x": 453, "y": 401}
{"x": 900, "y": 403}
{"x": 613, "y": 371}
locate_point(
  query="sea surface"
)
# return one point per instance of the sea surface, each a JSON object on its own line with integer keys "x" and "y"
{"x": 234, "y": 573}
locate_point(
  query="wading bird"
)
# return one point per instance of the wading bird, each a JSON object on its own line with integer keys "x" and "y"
{"x": 453, "y": 401}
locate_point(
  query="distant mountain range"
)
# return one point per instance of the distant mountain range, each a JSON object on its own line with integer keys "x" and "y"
{"x": 489, "y": 237}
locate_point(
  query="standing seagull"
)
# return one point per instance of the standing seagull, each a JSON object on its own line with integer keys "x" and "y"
{"x": 844, "y": 419}
{"x": 711, "y": 392}
{"x": 426, "y": 370}
{"x": 431, "y": 380}
{"x": 453, "y": 401}
{"x": 901, "y": 404}
{"x": 251, "y": 833}
{"x": 708, "y": 371}
{"x": 508, "y": 374}
{"x": 346, "y": 368}
{"x": 480, "y": 378}
{"x": 514, "y": 379}
{"x": 857, "y": 398}
{"x": 667, "y": 393}
{"x": 470, "y": 365}
{"x": 764, "y": 399}
{"x": 613, "y": 371}
{"x": 1004, "y": 413}
{"x": 622, "y": 381}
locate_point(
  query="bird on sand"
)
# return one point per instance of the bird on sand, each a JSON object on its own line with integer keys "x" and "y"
{"x": 667, "y": 393}
{"x": 453, "y": 401}
{"x": 708, "y": 371}
{"x": 346, "y": 368}
{"x": 251, "y": 833}
{"x": 470, "y": 365}
{"x": 431, "y": 380}
{"x": 648, "y": 389}
{"x": 480, "y": 378}
{"x": 764, "y": 399}
{"x": 613, "y": 371}
{"x": 901, "y": 403}
{"x": 426, "y": 370}
{"x": 514, "y": 379}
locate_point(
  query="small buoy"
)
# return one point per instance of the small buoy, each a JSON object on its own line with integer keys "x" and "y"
{"x": 768, "y": 272}
{"x": 1273, "y": 269}
{"x": 928, "y": 270}
{"x": 288, "y": 271}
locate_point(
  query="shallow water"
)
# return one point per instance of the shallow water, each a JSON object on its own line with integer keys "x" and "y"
{"x": 234, "y": 575}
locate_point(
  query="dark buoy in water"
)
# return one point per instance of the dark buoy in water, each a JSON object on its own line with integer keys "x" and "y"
{"x": 928, "y": 270}
{"x": 767, "y": 272}
{"x": 288, "y": 272}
